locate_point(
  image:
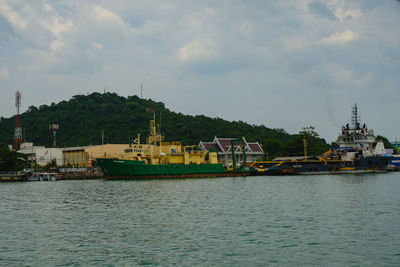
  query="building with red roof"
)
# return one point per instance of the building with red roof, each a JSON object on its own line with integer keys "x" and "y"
{"x": 223, "y": 146}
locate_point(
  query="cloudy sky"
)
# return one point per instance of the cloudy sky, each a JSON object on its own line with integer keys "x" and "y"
{"x": 284, "y": 64}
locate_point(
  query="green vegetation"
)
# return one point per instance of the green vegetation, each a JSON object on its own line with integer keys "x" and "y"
{"x": 83, "y": 118}
{"x": 11, "y": 160}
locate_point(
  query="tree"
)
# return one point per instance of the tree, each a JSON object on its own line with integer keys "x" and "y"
{"x": 273, "y": 148}
{"x": 83, "y": 118}
{"x": 11, "y": 160}
{"x": 50, "y": 165}
{"x": 309, "y": 131}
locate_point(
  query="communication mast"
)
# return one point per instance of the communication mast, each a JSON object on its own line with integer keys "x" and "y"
{"x": 18, "y": 129}
{"x": 54, "y": 128}
{"x": 355, "y": 118}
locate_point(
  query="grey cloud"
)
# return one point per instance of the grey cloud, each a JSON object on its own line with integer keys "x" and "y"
{"x": 193, "y": 51}
{"x": 321, "y": 8}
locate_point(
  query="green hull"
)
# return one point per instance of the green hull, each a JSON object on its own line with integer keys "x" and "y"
{"x": 130, "y": 169}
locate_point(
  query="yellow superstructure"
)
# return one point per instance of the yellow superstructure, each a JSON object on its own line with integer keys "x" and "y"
{"x": 169, "y": 153}
{"x": 156, "y": 151}
{"x": 106, "y": 151}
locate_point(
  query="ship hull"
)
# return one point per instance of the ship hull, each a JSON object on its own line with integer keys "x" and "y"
{"x": 116, "y": 169}
{"x": 373, "y": 164}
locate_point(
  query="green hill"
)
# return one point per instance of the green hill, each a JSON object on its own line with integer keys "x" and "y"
{"x": 83, "y": 118}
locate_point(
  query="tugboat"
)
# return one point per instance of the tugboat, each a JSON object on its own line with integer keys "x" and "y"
{"x": 358, "y": 152}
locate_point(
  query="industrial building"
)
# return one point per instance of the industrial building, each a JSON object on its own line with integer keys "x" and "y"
{"x": 84, "y": 156}
{"x": 77, "y": 157}
{"x": 42, "y": 155}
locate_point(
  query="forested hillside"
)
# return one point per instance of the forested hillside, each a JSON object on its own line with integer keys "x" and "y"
{"x": 83, "y": 118}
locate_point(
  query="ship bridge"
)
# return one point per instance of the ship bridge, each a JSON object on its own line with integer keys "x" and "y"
{"x": 356, "y": 136}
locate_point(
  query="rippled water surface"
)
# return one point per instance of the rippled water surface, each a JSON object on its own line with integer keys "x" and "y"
{"x": 253, "y": 221}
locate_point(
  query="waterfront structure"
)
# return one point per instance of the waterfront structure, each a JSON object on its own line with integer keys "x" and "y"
{"x": 223, "y": 146}
{"x": 78, "y": 157}
{"x": 84, "y": 156}
{"x": 41, "y": 154}
{"x": 75, "y": 157}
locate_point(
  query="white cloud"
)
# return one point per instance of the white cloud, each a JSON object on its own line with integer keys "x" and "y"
{"x": 348, "y": 13}
{"x": 105, "y": 16}
{"x": 339, "y": 75}
{"x": 104, "y": 26}
{"x": 340, "y": 38}
{"x": 12, "y": 17}
{"x": 210, "y": 11}
{"x": 58, "y": 26}
{"x": 4, "y": 72}
{"x": 295, "y": 43}
{"x": 47, "y": 8}
{"x": 268, "y": 47}
{"x": 196, "y": 49}
{"x": 56, "y": 45}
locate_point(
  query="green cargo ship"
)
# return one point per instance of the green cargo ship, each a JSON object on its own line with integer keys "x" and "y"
{"x": 131, "y": 169}
{"x": 158, "y": 159}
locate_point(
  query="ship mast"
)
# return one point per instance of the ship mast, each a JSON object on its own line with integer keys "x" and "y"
{"x": 154, "y": 138}
{"x": 355, "y": 119}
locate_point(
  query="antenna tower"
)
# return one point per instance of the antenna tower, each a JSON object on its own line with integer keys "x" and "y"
{"x": 54, "y": 127}
{"x": 18, "y": 129}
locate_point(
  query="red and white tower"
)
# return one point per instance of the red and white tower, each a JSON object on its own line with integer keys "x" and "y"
{"x": 53, "y": 127}
{"x": 18, "y": 129}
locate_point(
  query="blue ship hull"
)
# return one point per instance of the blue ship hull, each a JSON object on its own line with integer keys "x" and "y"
{"x": 369, "y": 164}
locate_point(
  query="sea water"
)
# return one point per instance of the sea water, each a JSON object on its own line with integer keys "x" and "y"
{"x": 329, "y": 220}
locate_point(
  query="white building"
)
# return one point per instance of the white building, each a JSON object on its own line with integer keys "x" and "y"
{"x": 42, "y": 155}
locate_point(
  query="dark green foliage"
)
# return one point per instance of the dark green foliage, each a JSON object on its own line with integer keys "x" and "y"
{"x": 83, "y": 118}
{"x": 309, "y": 131}
{"x": 315, "y": 145}
{"x": 273, "y": 148}
{"x": 11, "y": 160}
{"x": 51, "y": 165}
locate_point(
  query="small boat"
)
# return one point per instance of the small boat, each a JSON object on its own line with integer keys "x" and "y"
{"x": 43, "y": 176}
{"x": 394, "y": 164}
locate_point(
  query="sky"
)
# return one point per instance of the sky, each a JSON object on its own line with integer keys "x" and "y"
{"x": 283, "y": 64}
